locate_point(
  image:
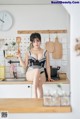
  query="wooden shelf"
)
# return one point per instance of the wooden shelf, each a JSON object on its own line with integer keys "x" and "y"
{"x": 29, "y": 106}
{"x": 41, "y": 31}
{"x": 9, "y": 57}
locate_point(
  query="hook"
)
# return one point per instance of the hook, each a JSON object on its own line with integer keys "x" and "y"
{"x": 49, "y": 34}
{"x": 56, "y": 36}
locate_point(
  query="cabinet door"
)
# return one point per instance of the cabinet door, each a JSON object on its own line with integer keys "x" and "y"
{"x": 15, "y": 91}
{"x": 56, "y": 88}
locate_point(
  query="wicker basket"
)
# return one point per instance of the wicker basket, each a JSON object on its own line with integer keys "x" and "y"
{"x": 63, "y": 76}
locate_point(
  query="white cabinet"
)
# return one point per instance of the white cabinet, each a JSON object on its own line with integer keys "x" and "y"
{"x": 15, "y": 91}
{"x": 56, "y": 94}
{"x": 59, "y": 88}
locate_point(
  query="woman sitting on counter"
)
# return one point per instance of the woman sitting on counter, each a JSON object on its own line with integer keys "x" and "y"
{"x": 35, "y": 60}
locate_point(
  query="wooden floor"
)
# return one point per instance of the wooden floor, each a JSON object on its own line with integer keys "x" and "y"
{"x": 29, "y": 106}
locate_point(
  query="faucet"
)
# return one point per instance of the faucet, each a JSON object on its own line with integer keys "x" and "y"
{"x": 12, "y": 68}
{"x": 15, "y": 75}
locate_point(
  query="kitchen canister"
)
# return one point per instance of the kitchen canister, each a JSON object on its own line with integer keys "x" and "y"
{"x": 2, "y": 73}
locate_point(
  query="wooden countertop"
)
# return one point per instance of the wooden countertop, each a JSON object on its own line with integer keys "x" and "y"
{"x": 29, "y": 106}
{"x": 16, "y": 81}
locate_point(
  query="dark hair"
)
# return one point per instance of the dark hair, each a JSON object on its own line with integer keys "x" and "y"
{"x": 35, "y": 35}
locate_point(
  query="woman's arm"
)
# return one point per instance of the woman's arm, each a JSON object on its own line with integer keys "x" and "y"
{"x": 48, "y": 66}
{"x": 24, "y": 64}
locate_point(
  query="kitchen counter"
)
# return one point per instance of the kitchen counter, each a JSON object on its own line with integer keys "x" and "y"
{"x": 29, "y": 106}
{"x": 17, "y": 81}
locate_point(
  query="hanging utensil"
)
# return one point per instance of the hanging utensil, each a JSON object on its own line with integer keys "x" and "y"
{"x": 18, "y": 41}
{"x": 57, "y": 54}
{"x": 2, "y": 41}
{"x": 49, "y": 45}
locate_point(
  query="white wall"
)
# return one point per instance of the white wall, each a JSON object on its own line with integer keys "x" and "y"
{"x": 36, "y": 16}
{"x": 75, "y": 80}
{"x": 39, "y": 17}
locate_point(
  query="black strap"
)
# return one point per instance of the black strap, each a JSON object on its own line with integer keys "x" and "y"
{"x": 45, "y": 53}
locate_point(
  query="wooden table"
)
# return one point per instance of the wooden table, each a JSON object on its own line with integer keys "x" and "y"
{"x": 29, "y": 106}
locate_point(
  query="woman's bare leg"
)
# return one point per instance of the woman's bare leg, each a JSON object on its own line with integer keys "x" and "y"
{"x": 33, "y": 75}
{"x": 36, "y": 81}
{"x": 42, "y": 79}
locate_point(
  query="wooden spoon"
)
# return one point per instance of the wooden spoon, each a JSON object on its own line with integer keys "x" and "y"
{"x": 18, "y": 40}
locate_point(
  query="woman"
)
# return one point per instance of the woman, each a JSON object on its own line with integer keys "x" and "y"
{"x": 35, "y": 61}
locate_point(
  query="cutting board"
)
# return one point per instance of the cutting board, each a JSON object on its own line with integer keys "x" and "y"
{"x": 57, "y": 54}
{"x": 49, "y": 46}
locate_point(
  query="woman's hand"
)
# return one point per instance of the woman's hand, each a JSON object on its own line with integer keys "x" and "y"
{"x": 49, "y": 79}
{"x": 18, "y": 54}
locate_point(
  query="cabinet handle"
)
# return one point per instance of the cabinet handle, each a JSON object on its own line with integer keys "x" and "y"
{"x": 28, "y": 86}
